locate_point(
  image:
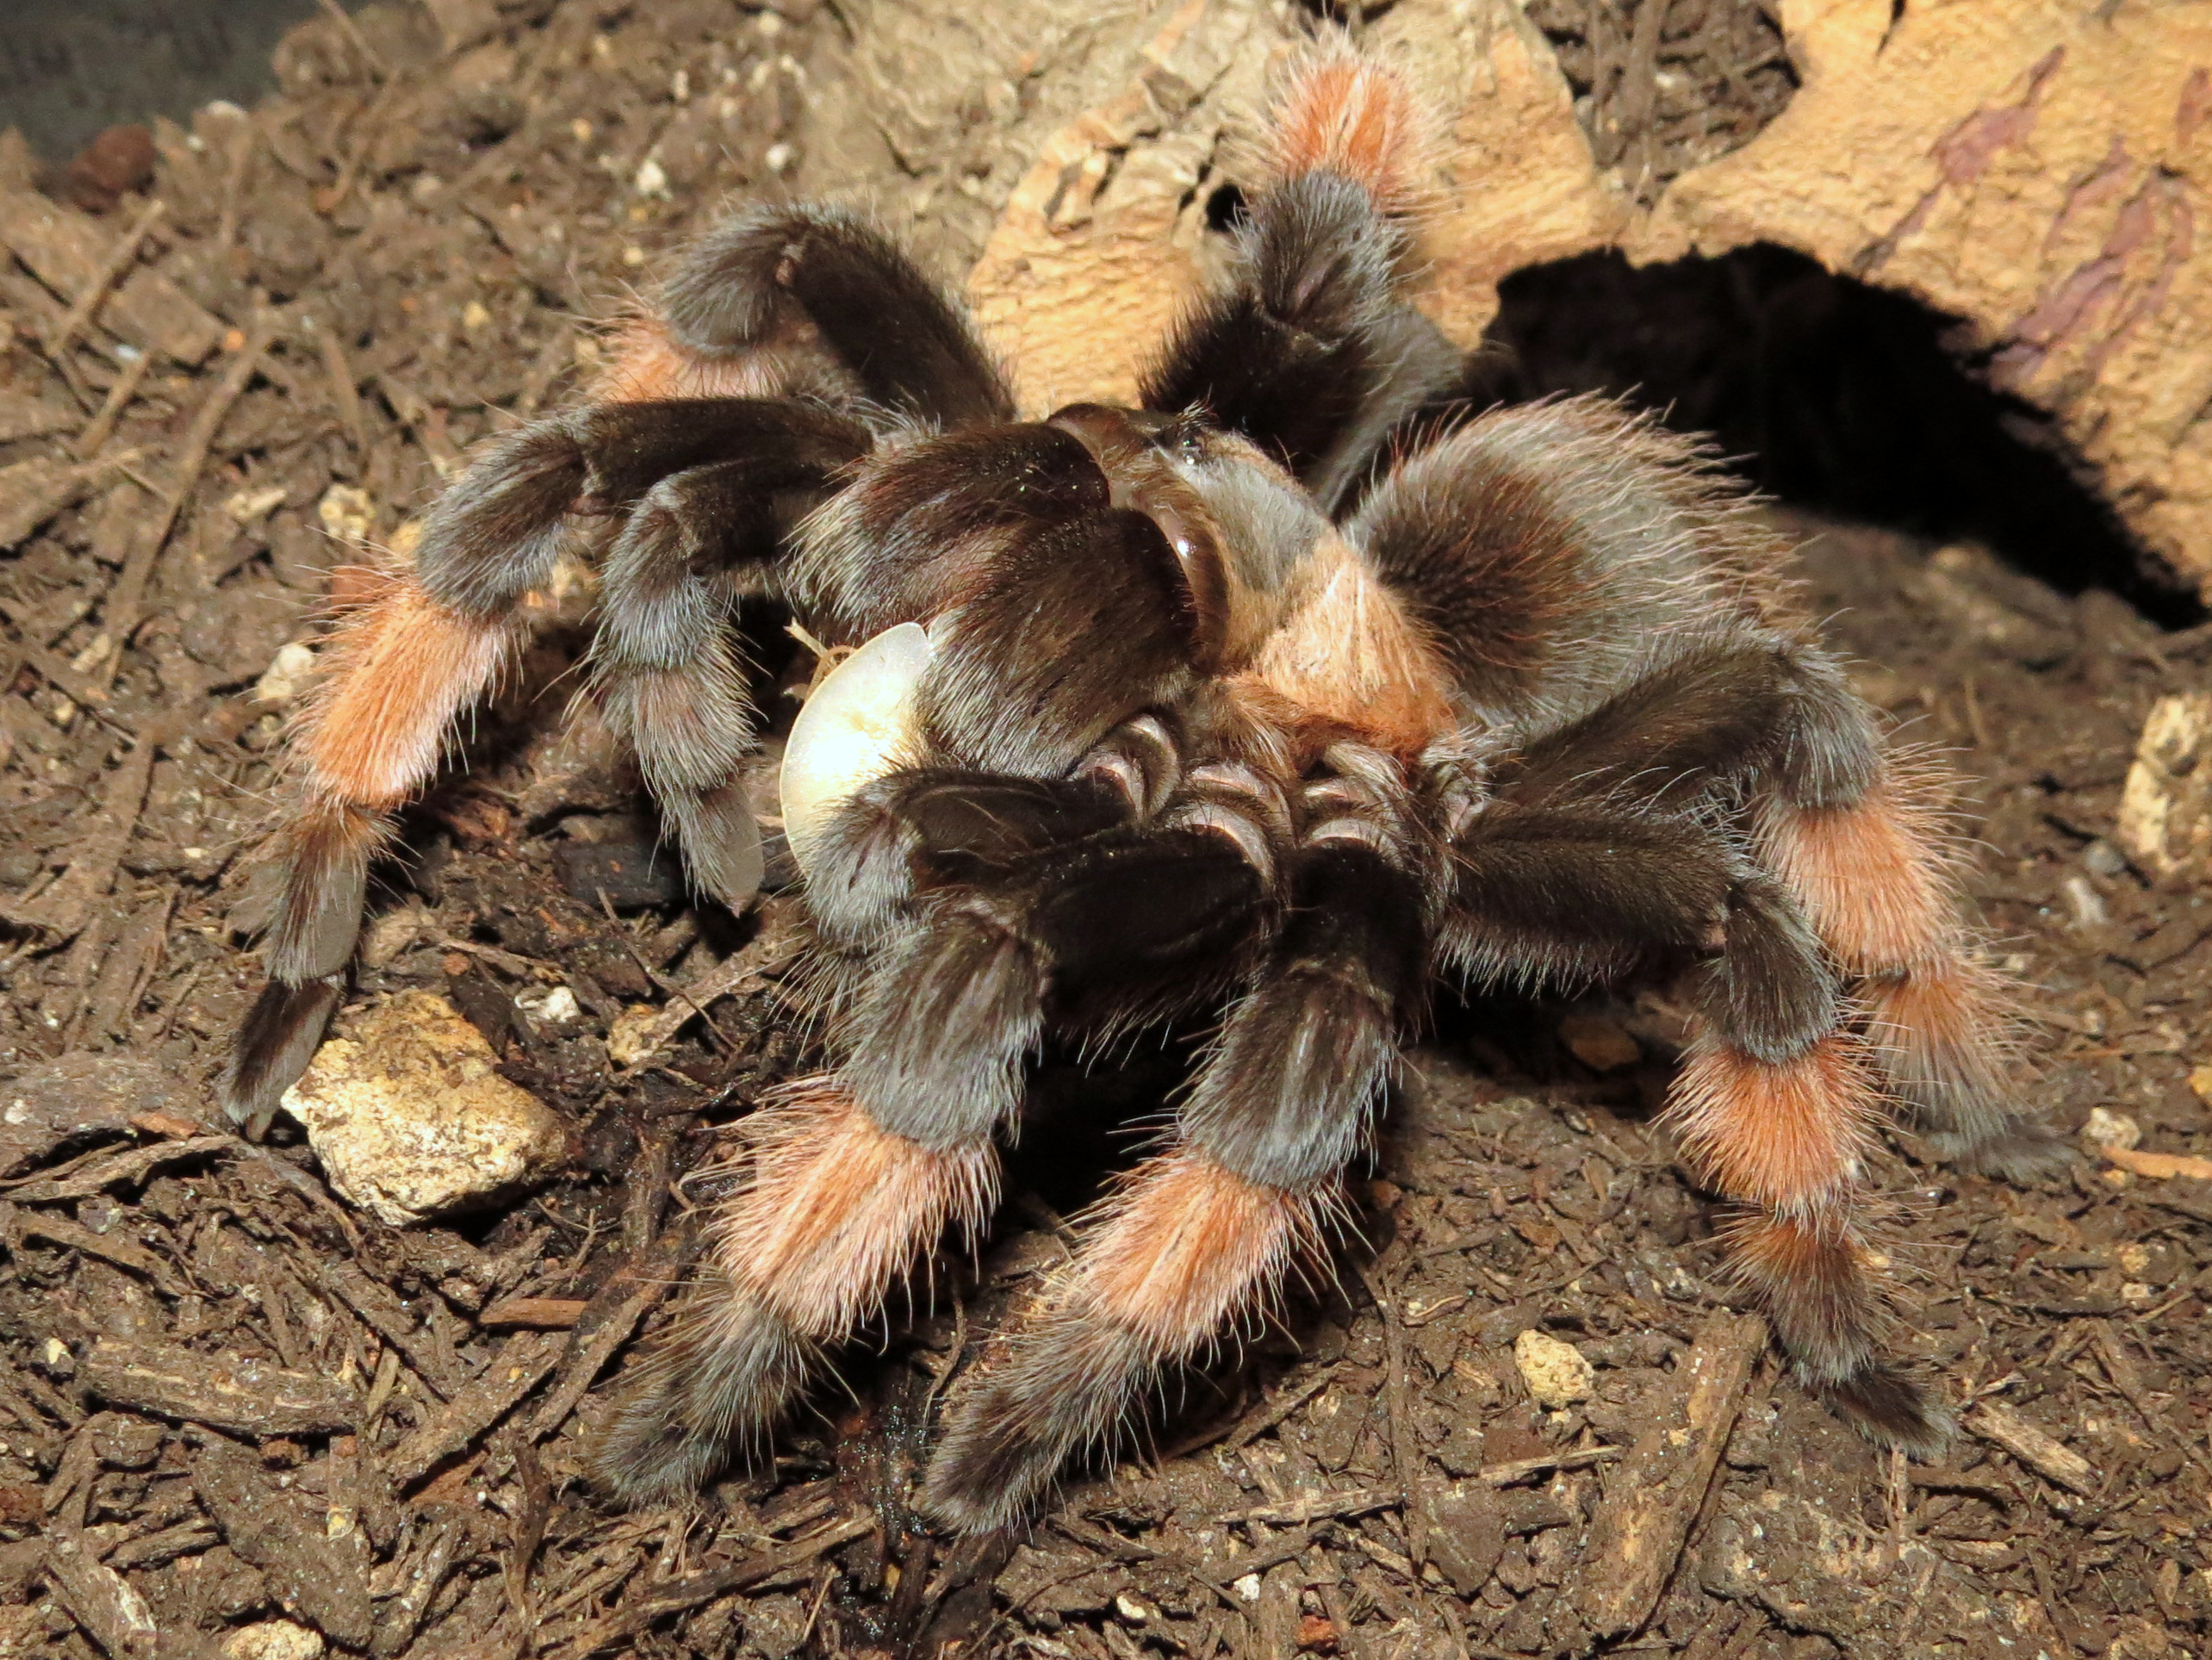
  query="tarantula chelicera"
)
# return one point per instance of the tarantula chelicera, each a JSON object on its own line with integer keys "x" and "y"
{"x": 1274, "y": 695}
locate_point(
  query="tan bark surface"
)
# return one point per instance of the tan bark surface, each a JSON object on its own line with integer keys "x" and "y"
{"x": 2037, "y": 168}
{"x": 2030, "y": 167}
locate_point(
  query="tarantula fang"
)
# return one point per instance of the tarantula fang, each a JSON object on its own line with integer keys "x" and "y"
{"x": 1278, "y": 694}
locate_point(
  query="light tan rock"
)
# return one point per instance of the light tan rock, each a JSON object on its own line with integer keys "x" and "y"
{"x": 411, "y": 1121}
{"x": 1556, "y": 1372}
{"x": 2165, "y": 806}
{"x": 273, "y": 1639}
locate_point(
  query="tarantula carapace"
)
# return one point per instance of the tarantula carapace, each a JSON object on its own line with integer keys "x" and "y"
{"x": 1276, "y": 695}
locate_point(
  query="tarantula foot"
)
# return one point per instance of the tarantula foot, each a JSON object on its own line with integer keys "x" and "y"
{"x": 2021, "y": 1152}
{"x": 1008, "y": 1436}
{"x": 718, "y": 1383}
{"x": 1890, "y": 1410}
{"x": 274, "y": 1047}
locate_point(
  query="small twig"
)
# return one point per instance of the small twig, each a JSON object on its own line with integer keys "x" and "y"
{"x": 675, "y": 1596}
{"x": 78, "y": 688}
{"x": 346, "y": 392}
{"x": 521, "y": 1364}
{"x": 102, "y": 427}
{"x": 330, "y": 197}
{"x": 1405, "y": 1456}
{"x": 351, "y": 30}
{"x": 1313, "y": 1507}
{"x": 241, "y": 155}
{"x": 1519, "y": 1470}
{"x": 650, "y": 1276}
{"x": 120, "y": 259}
{"x": 126, "y": 604}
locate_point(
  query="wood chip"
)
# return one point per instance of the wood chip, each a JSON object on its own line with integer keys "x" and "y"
{"x": 130, "y": 1166}
{"x": 386, "y": 1316}
{"x": 226, "y": 1391}
{"x": 78, "y": 1097}
{"x": 66, "y": 250}
{"x": 33, "y": 491}
{"x": 1638, "y": 1533}
{"x": 2159, "y": 1166}
{"x": 1516, "y": 1470}
{"x": 125, "y": 606}
{"x": 526, "y": 1361}
{"x": 631, "y": 1292}
{"x": 104, "y": 1604}
{"x": 59, "y": 914}
{"x": 120, "y": 259}
{"x": 656, "y": 1602}
{"x": 545, "y": 1313}
{"x": 319, "y": 1571}
{"x": 23, "y": 416}
{"x": 2002, "y": 1427}
{"x": 746, "y": 969}
{"x": 19, "y": 1224}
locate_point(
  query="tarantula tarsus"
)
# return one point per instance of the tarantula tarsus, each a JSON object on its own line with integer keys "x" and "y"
{"x": 1268, "y": 696}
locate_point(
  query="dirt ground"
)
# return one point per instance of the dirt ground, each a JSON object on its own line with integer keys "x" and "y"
{"x": 240, "y": 1416}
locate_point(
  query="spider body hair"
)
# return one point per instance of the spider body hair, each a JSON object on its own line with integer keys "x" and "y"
{"x": 1270, "y": 698}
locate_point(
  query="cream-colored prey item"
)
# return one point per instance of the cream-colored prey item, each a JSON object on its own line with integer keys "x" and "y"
{"x": 854, "y": 728}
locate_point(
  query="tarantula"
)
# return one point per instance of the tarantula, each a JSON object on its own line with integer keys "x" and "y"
{"x": 1272, "y": 695}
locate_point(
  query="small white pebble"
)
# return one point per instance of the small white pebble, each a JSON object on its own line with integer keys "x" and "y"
{"x": 247, "y": 505}
{"x": 769, "y": 25}
{"x": 652, "y": 179}
{"x": 346, "y": 513}
{"x": 778, "y": 158}
{"x": 633, "y": 256}
{"x": 580, "y": 130}
{"x": 273, "y": 1639}
{"x": 1128, "y": 1609}
{"x": 554, "y": 1006}
{"x": 473, "y": 316}
{"x": 287, "y": 673}
{"x": 2088, "y": 903}
{"x": 680, "y": 86}
{"x": 1247, "y": 1588}
{"x": 2111, "y": 1129}
{"x": 2103, "y": 858}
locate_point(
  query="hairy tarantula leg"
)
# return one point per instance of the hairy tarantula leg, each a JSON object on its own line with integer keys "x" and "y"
{"x": 1862, "y": 847}
{"x": 666, "y": 662}
{"x": 1778, "y": 1106}
{"x": 1306, "y": 348}
{"x": 758, "y": 300}
{"x": 864, "y": 1172}
{"x": 1202, "y": 1236}
{"x": 403, "y": 667}
{"x": 1556, "y": 897}
{"x": 1775, "y": 1104}
{"x": 1875, "y": 876}
{"x": 838, "y": 1208}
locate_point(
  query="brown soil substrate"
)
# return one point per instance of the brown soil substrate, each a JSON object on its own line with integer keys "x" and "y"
{"x": 231, "y": 1399}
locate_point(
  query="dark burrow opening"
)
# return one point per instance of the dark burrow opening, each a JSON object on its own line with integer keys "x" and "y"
{"x": 1829, "y": 394}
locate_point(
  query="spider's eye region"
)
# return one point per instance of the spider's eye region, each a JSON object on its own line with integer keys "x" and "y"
{"x": 1185, "y": 440}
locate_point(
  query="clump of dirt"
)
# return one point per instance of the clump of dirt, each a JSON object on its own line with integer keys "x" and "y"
{"x": 233, "y": 1404}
